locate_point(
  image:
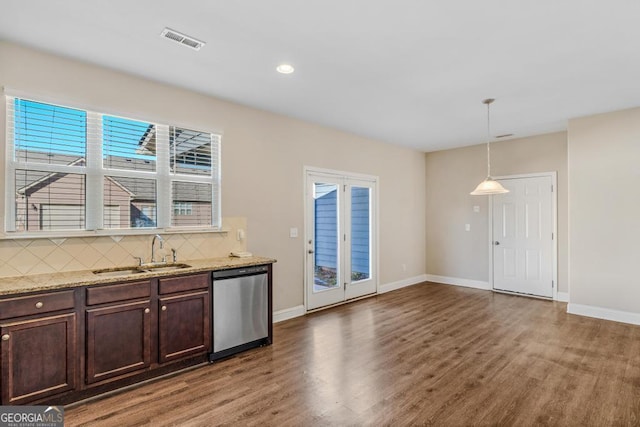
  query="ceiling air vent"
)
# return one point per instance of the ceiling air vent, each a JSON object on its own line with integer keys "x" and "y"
{"x": 182, "y": 38}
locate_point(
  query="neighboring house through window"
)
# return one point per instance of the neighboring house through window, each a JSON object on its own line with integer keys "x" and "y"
{"x": 78, "y": 170}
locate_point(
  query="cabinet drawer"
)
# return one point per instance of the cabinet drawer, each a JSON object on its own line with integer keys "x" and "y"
{"x": 118, "y": 292}
{"x": 184, "y": 283}
{"x": 35, "y": 304}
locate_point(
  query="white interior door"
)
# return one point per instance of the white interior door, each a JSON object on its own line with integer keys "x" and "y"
{"x": 340, "y": 238}
{"x": 523, "y": 236}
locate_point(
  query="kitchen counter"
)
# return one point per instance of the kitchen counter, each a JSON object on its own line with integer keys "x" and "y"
{"x": 72, "y": 279}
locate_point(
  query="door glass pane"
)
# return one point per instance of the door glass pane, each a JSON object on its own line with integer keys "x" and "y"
{"x": 360, "y": 233}
{"x": 325, "y": 198}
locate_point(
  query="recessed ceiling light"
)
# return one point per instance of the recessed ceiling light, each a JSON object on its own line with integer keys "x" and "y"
{"x": 285, "y": 68}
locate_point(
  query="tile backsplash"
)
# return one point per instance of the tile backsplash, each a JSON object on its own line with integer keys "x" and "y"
{"x": 20, "y": 257}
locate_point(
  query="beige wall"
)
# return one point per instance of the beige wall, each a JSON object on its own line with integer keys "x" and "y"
{"x": 453, "y": 174}
{"x": 263, "y": 156}
{"x": 604, "y": 178}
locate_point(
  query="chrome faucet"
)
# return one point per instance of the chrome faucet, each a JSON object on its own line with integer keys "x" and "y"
{"x": 153, "y": 245}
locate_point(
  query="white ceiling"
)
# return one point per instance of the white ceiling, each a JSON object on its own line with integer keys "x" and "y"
{"x": 409, "y": 72}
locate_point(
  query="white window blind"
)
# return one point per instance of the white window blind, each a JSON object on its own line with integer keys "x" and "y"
{"x": 190, "y": 151}
{"x": 70, "y": 169}
{"x": 128, "y": 144}
{"x": 136, "y": 199}
{"x": 41, "y": 196}
{"x": 192, "y": 204}
{"x": 49, "y": 134}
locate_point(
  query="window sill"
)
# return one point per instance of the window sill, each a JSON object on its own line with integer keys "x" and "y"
{"x": 109, "y": 233}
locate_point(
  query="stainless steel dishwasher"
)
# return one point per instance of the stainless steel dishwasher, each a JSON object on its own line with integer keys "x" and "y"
{"x": 240, "y": 310}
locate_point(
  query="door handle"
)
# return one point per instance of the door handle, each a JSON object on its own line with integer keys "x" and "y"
{"x": 496, "y": 243}
{"x": 310, "y": 251}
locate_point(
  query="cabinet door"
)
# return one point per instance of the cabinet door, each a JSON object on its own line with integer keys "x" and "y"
{"x": 184, "y": 326}
{"x": 38, "y": 358}
{"x": 118, "y": 340}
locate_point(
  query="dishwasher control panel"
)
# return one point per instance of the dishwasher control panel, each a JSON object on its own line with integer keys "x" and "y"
{"x": 236, "y": 272}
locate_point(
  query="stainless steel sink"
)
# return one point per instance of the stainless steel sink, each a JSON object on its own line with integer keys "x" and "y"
{"x": 163, "y": 267}
{"x": 114, "y": 272}
{"x": 126, "y": 271}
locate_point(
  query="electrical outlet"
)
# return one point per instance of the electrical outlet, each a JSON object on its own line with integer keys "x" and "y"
{"x": 293, "y": 232}
{"x": 467, "y": 227}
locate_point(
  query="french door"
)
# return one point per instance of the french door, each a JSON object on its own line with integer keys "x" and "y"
{"x": 340, "y": 238}
{"x": 523, "y": 236}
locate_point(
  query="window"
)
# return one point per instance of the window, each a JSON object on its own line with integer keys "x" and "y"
{"x": 71, "y": 169}
{"x": 181, "y": 208}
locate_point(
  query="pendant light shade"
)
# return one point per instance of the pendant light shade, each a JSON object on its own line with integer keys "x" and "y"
{"x": 489, "y": 186}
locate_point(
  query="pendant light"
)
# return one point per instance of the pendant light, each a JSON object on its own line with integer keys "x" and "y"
{"x": 489, "y": 186}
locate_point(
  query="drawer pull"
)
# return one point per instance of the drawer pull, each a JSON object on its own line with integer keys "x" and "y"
{"x": 164, "y": 308}
{"x": 39, "y": 304}
{"x": 5, "y": 337}
{"x": 146, "y": 310}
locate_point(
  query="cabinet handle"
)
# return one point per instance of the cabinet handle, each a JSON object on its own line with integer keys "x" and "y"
{"x": 39, "y": 304}
{"x": 146, "y": 310}
{"x": 5, "y": 337}
{"x": 164, "y": 308}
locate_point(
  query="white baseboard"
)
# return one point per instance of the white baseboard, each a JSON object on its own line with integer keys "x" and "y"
{"x": 467, "y": 283}
{"x": 604, "y": 313}
{"x": 388, "y": 287}
{"x": 562, "y": 296}
{"x": 288, "y": 313}
{"x": 297, "y": 311}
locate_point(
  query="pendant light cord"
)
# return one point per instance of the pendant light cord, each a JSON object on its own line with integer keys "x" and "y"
{"x": 488, "y": 102}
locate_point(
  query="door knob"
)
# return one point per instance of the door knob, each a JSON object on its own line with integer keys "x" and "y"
{"x": 310, "y": 251}
{"x": 496, "y": 243}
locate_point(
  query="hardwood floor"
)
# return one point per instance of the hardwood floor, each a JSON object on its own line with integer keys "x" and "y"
{"x": 424, "y": 355}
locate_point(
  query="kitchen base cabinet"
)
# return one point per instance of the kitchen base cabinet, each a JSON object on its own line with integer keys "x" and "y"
{"x": 118, "y": 340}
{"x": 38, "y": 358}
{"x": 64, "y": 346}
{"x": 183, "y": 328}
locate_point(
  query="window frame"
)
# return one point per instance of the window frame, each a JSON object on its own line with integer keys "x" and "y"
{"x": 95, "y": 173}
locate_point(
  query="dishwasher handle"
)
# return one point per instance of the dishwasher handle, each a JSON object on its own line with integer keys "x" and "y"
{"x": 238, "y": 272}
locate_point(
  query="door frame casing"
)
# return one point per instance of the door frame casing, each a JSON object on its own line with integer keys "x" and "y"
{"x": 554, "y": 226}
{"x": 376, "y": 227}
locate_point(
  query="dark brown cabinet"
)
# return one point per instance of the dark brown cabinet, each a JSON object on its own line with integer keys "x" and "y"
{"x": 184, "y": 322}
{"x": 183, "y": 326}
{"x": 62, "y": 346}
{"x": 38, "y": 358}
{"x": 118, "y": 340}
{"x": 118, "y": 330}
{"x": 132, "y": 329}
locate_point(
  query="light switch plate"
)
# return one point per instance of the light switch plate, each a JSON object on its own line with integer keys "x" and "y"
{"x": 293, "y": 232}
{"x": 476, "y": 208}
{"x": 467, "y": 227}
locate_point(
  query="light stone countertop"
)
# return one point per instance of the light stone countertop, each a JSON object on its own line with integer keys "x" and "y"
{"x": 72, "y": 279}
